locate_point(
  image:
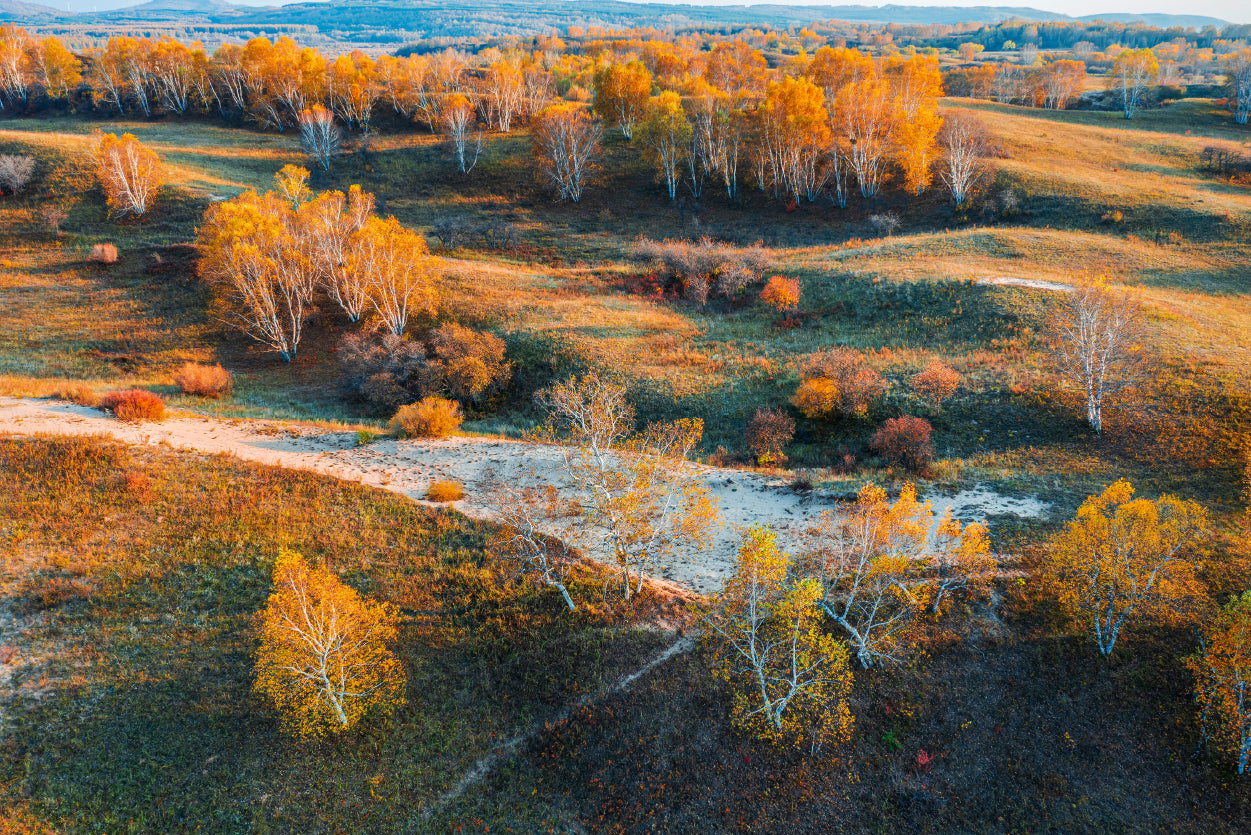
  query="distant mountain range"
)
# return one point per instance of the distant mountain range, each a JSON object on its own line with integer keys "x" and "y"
{"x": 503, "y": 17}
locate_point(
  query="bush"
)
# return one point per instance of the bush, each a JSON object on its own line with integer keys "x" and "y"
{"x": 769, "y": 432}
{"x": 936, "y": 383}
{"x": 838, "y": 381}
{"x": 905, "y": 441}
{"x": 134, "y": 405}
{"x": 445, "y": 491}
{"x": 15, "y": 172}
{"x": 699, "y": 270}
{"x": 433, "y": 417}
{"x": 388, "y": 371}
{"x": 781, "y": 294}
{"x": 103, "y": 254}
{"x": 203, "y": 380}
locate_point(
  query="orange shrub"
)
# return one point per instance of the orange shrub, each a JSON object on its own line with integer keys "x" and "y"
{"x": 433, "y": 417}
{"x": 134, "y": 406}
{"x": 203, "y": 380}
{"x": 905, "y": 440}
{"x": 445, "y": 491}
{"x": 838, "y": 381}
{"x": 769, "y": 432}
{"x": 781, "y": 294}
{"x": 103, "y": 254}
{"x": 936, "y": 383}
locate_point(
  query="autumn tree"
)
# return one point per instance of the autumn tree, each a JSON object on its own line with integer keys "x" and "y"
{"x": 130, "y": 173}
{"x": 1125, "y": 560}
{"x": 566, "y": 146}
{"x": 640, "y": 498}
{"x": 621, "y": 94}
{"x": 917, "y": 142}
{"x": 833, "y": 68}
{"x": 255, "y": 254}
{"x": 1099, "y": 337}
{"x": 866, "y": 122}
{"x": 791, "y": 680}
{"x": 395, "y": 264}
{"x": 15, "y": 75}
{"x": 1222, "y": 670}
{"x": 1062, "y": 79}
{"x": 1238, "y": 82}
{"x": 963, "y": 152}
{"x": 331, "y": 223}
{"x": 795, "y": 133}
{"x": 457, "y": 117}
{"x": 324, "y": 660}
{"x": 666, "y": 133}
{"x": 531, "y": 519}
{"x": 1132, "y": 71}
{"x": 352, "y": 88}
{"x": 768, "y": 434}
{"x": 320, "y": 137}
{"x": 59, "y": 70}
{"x": 915, "y": 83}
{"x": 959, "y": 559}
{"x": 504, "y": 90}
{"x": 935, "y": 383}
{"x": 866, "y": 558}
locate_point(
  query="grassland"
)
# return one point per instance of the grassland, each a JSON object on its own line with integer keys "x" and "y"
{"x": 134, "y": 710}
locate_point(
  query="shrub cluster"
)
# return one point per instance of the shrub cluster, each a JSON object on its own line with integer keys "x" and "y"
{"x": 203, "y": 380}
{"x": 388, "y": 371}
{"x": 936, "y": 383}
{"x": 905, "y": 441}
{"x": 432, "y": 417}
{"x": 781, "y": 294}
{"x": 134, "y": 405}
{"x": 769, "y": 432}
{"x": 706, "y": 268}
{"x": 103, "y": 254}
{"x": 838, "y": 381}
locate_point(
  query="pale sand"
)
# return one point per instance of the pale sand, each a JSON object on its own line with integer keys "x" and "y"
{"x": 408, "y": 467}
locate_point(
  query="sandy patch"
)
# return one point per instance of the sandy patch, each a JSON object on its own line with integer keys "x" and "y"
{"x": 1037, "y": 284}
{"x": 408, "y": 466}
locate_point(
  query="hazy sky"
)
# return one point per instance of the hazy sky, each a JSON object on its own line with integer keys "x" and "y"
{"x": 1236, "y": 11}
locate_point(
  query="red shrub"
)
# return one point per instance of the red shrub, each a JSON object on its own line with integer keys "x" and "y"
{"x": 770, "y": 430}
{"x": 906, "y": 441}
{"x": 134, "y": 405}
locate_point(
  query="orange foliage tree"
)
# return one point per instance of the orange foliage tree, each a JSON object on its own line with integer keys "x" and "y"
{"x": 791, "y": 680}
{"x": 781, "y": 293}
{"x": 838, "y": 381}
{"x": 917, "y": 141}
{"x": 795, "y": 134}
{"x": 395, "y": 264}
{"x": 936, "y": 383}
{"x": 1124, "y": 560}
{"x": 621, "y": 93}
{"x": 130, "y": 173}
{"x": 566, "y": 145}
{"x": 666, "y": 133}
{"x": 1222, "y": 670}
{"x": 1132, "y": 71}
{"x": 324, "y": 660}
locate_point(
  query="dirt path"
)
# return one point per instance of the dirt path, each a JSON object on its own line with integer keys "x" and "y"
{"x": 408, "y": 467}
{"x": 1033, "y": 283}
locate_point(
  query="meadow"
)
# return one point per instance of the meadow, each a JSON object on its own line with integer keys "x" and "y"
{"x": 133, "y": 711}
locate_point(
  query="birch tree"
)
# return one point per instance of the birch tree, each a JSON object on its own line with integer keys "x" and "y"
{"x": 324, "y": 660}
{"x": 130, "y": 173}
{"x": 1222, "y": 670}
{"x": 457, "y": 118}
{"x": 1238, "y": 80}
{"x": 790, "y": 679}
{"x": 566, "y": 146}
{"x": 640, "y": 498}
{"x": 533, "y": 535}
{"x": 666, "y": 133}
{"x": 1125, "y": 560}
{"x": 395, "y": 263}
{"x": 320, "y": 137}
{"x": 962, "y": 146}
{"x": 1099, "y": 338}
{"x": 1132, "y": 72}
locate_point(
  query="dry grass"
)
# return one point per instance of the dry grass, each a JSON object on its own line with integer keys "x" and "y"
{"x": 203, "y": 380}
{"x": 432, "y": 417}
{"x": 134, "y": 405}
{"x": 445, "y": 491}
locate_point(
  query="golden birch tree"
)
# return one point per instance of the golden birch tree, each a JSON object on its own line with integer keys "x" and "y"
{"x": 1222, "y": 670}
{"x": 1123, "y": 561}
{"x": 130, "y": 173}
{"x": 324, "y": 660}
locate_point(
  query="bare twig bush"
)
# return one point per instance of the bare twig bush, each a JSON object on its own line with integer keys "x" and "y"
{"x": 768, "y": 434}
{"x": 706, "y": 268}
{"x": 905, "y": 441}
{"x": 16, "y": 172}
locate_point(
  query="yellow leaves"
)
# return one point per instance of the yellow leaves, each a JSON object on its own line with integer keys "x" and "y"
{"x": 816, "y": 398}
{"x": 1222, "y": 670}
{"x": 1125, "y": 559}
{"x": 916, "y": 140}
{"x": 129, "y": 172}
{"x": 323, "y": 661}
